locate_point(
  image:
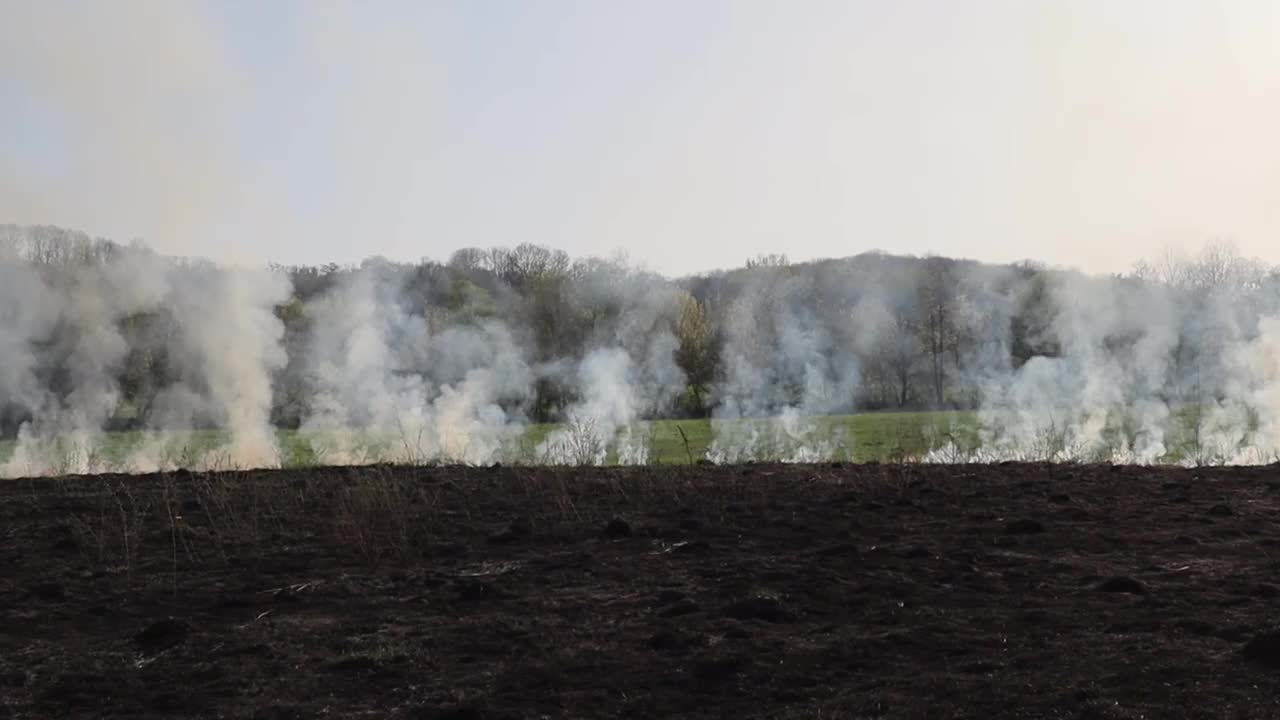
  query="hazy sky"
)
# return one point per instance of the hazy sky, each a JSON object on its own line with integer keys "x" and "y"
{"x": 692, "y": 133}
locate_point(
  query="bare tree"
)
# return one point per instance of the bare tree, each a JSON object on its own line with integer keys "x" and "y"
{"x": 697, "y": 353}
{"x": 936, "y": 328}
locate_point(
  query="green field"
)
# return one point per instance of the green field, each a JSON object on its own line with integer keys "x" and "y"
{"x": 884, "y": 436}
{"x": 862, "y": 437}
{"x": 858, "y": 438}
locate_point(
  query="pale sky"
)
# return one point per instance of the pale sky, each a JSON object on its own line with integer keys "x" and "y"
{"x": 691, "y": 133}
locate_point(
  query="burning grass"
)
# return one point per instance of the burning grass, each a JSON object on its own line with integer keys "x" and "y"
{"x": 860, "y": 438}
{"x": 948, "y": 437}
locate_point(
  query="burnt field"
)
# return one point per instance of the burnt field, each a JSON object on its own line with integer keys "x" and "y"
{"x": 855, "y": 591}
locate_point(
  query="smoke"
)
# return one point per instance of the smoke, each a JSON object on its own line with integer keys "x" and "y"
{"x": 82, "y": 312}
{"x": 1261, "y": 361}
{"x": 1114, "y": 343}
{"x": 385, "y": 387}
{"x": 629, "y": 375}
{"x": 223, "y": 367}
{"x": 228, "y": 345}
{"x": 64, "y": 353}
{"x": 784, "y": 366}
{"x": 1174, "y": 363}
{"x": 382, "y": 373}
{"x": 615, "y": 391}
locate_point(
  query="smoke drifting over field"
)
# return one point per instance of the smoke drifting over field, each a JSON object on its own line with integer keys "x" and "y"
{"x": 1178, "y": 361}
{"x": 380, "y": 376}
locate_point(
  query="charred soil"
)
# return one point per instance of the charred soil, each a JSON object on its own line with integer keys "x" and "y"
{"x": 854, "y": 591}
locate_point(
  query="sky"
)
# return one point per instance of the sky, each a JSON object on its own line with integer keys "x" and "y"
{"x": 690, "y": 134}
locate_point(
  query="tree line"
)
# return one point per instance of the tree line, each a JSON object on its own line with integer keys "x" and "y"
{"x": 907, "y": 331}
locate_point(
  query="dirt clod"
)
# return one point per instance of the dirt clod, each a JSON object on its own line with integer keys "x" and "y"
{"x": 162, "y": 634}
{"x": 669, "y": 597}
{"x": 458, "y": 712}
{"x": 1265, "y": 590}
{"x": 758, "y": 608}
{"x": 917, "y": 552}
{"x": 1025, "y": 526}
{"x": 712, "y": 672}
{"x": 1264, "y": 649}
{"x": 513, "y": 533}
{"x": 670, "y": 641}
{"x": 449, "y": 549}
{"x": 617, "y": 528}
{"x": 1122, "y": 584}
{"x": 680, "y": 607}
{"x": 48, "y": 592}
{"x": 474, "y": 591}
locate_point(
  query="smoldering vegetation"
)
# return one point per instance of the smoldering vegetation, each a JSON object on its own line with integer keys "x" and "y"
{"x": 1177, "y": 361}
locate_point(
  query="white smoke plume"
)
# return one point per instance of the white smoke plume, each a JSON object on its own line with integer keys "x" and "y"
{"x": 83, "y": 310}
{"x": 385, "y": 388}
{"x": 616, "y": 392}
{"x": 225, "y": 345}
{"x": 228, "y": 345}
{"x": 1176, "y": 362}
{"x": 783, "y": 367}
{"x": 631, "y": 374}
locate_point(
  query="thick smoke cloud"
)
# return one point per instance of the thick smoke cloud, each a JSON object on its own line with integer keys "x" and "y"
{"x": 228, "y": 346}
{"x": 630, "y": 374}
{"x": 783, "y": 366}
{"x": 1179, "y": 357}
{"x": 75, "y": 303}
{"x": 1178, "y": 361}
{"x": 386, "y": 387}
